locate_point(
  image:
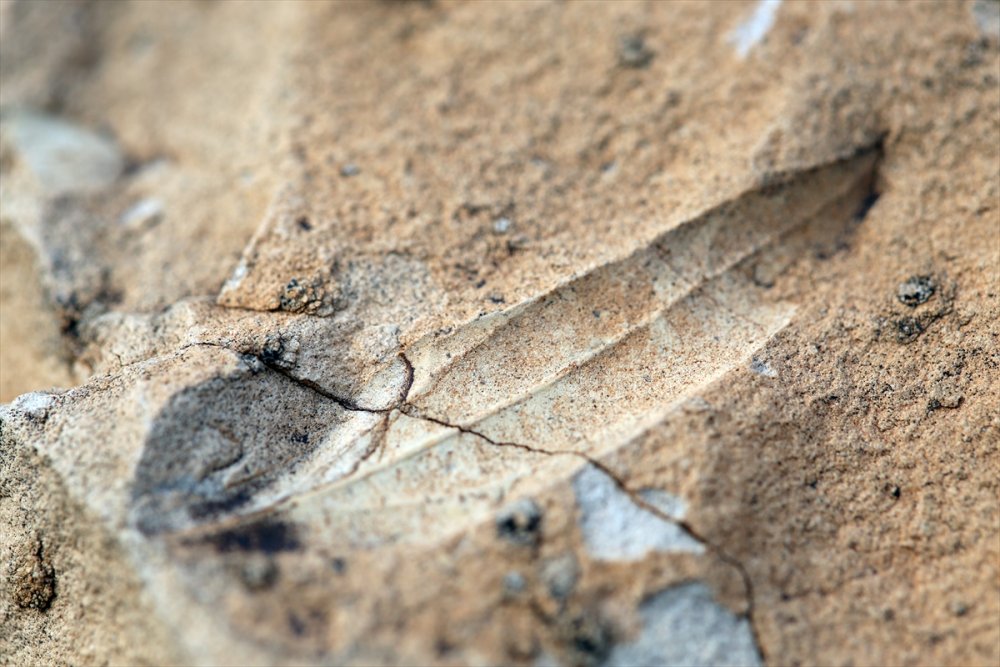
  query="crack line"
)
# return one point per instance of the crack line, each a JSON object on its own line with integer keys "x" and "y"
{"x": 403, "y": 406}
{"x": 412, "y": 411}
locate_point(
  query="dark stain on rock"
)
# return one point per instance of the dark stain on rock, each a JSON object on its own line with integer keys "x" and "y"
{"x": 633, "y": 52}
{"x": 908, "y": 329}
{"x": 296, "y": 624}
{"x": 588, "y": 639}
{"x": 214, "y": 446}
{"x": 268, "y": 536}
{"x": 228, "y": 504}
{"x": 866, "y": 205}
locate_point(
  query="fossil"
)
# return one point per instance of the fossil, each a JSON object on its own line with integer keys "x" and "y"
{"x": 441, "y": 333}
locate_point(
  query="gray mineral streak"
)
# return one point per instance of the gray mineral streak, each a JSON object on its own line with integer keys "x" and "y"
{"x": 614, "y": 527}
{"x": 683, "y": 625}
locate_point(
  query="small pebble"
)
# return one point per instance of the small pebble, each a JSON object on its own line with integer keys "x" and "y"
{"x": 916, "y": 291}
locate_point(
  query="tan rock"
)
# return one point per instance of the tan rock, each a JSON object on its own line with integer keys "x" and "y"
{"x": 466, "y": 333}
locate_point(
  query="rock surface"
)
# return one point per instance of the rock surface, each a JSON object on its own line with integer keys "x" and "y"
{"x": 466, "y": 333}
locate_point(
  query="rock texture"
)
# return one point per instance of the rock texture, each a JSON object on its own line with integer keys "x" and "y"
{"x": 473, "y": 333}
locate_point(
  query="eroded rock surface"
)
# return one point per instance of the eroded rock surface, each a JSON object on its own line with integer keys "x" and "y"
{"x": 467, "y": 333}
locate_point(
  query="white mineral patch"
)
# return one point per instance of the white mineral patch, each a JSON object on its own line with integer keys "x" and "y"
{"x": 65, "y": 158}
{"x": 34, "y": 404}
{"x": 684, "y": 625}
{"x": 761, "y": 368}
{"x": 142, "y": 213}
{"x": 239, "y": 273}
{"x": 987, "y": 15}
{"x": 615, "y": 528}
{"x": 751, "y": 31}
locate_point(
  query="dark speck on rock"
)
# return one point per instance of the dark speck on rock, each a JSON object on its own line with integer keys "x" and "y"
{"x": 959, "y": 608}
{"x": 296, "y": 624}
{"x": 633, "y": 52}
{"x": 518, "y": 243}
{"x": 520, "y": 523}
{"x": 349, "y": 170}
{"x": 590, "y": 639}
{"x": 908, "y": 329}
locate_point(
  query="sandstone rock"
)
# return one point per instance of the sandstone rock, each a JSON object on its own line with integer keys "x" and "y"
{"x": 466, "y": 333}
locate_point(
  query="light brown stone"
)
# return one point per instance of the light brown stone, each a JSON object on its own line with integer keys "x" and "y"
{"x": 479, "y": 333}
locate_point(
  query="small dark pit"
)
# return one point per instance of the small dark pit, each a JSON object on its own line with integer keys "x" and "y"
{"x": 590, "y": 639}
{"x": 520, "y": 523}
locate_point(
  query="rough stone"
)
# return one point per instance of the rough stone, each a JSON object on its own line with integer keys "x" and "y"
{"x": 443, "y": 333}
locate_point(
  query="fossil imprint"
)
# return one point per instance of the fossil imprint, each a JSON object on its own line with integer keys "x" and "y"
{"x": 507, "y": 403}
